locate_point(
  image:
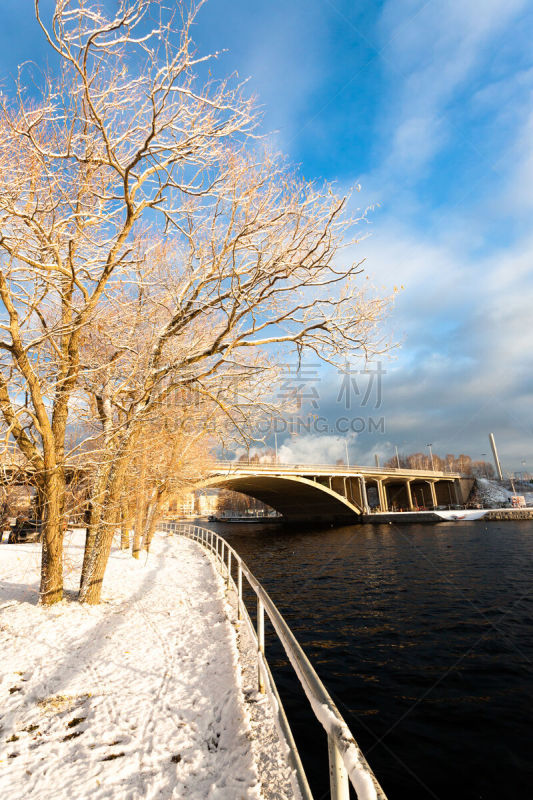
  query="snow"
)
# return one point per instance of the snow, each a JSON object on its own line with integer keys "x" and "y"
{"x": 140, "y": 697}
{"x": 278, "y": 780}
{"x": 493, "y": 492}
{"x": 357, "y": 770}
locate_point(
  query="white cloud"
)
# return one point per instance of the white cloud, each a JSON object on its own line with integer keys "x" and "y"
{"x": 315, "y": 449}
{"x": 287, "y": 62}
{"x": 466, "y": 359}
{"x": 429, "y": 53}
{"x": 518, "y": 194}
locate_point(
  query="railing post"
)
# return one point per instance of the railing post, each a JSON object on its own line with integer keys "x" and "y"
{"x": 239, "y": 592}
{"x": 338, "y": 777}
{"x": 228, "y": 578}
{"x": 260, "y": 643}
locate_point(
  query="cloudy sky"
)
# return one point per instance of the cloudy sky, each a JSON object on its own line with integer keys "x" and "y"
{"x": 428, "y": 105}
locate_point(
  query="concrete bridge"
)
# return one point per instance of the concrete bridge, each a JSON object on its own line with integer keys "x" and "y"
{"x": 323, "y": 493}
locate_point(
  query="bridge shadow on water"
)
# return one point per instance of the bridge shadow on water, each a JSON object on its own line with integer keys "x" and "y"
{"x": 422, "y": 635}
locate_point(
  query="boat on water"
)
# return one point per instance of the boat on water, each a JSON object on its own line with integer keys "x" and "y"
{"x": 248, "y": 519}
{"x": 468, "y": 515}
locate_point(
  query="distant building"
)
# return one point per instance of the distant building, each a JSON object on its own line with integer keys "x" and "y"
{"x": 206, "y": 503}
{"x": 182, "y": 506}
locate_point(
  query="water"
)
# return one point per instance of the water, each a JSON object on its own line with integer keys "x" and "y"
{"x": 423, "y": 636}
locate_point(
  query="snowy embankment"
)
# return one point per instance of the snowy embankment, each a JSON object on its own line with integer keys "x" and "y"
{"x": 492, "y": 492}
{"x": 139, "y": 697}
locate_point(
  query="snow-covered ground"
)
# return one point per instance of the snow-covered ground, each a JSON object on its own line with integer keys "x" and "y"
{"x": 140, "y": 697}
{"x": 490, "y": 492}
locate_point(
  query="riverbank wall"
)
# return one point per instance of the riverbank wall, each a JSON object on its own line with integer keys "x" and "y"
{"x": 410, "y": 517}
{"x": 498, "y": 514}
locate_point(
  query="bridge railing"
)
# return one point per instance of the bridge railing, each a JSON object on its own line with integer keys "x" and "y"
{"x": 329, "y": 469}
{"x": 347, "y": 763}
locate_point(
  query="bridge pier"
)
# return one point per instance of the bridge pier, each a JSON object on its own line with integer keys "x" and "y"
{"x": 433, "y": 493}
{"x": 364, "y": 497}
{"x": 409, "y": 495}
{"x": 382, "y": 494}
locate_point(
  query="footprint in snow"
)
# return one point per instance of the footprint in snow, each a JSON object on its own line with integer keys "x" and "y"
{"x": 112, "y": 756}
{"x": 75, "y": 721}
{"x": 70, "y": 736}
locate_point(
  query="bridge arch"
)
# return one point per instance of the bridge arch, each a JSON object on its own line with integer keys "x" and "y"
{"x": 297, "y": 498}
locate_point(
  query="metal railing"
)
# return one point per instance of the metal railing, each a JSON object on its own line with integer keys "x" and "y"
{"x": 347, "y": 763}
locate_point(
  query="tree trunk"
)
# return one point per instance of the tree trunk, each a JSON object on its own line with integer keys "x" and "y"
{"x": 92, "y": 581}
{"x": 93, "y": 575}
{"x": 152, "y": 518}
{"x": 51, "y": 590}
{"x": 90, "y": 537}
{"x": 91, "y": 588}
{"x": 95, "y": 515}
{"x": 125, "y": 522}
{"x": 139, "y": 517}
{"x": 138, "y": 528}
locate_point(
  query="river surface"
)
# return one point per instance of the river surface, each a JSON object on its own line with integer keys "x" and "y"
{"x": 423, "y": 636}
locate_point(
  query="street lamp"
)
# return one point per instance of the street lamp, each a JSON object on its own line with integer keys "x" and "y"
{"x": 347, "y": 458}
{"x": 397, "y": 456}
{"x": 431, "y": 456}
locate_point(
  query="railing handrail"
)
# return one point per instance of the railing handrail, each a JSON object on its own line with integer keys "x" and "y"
{"x": 347, "y": 762}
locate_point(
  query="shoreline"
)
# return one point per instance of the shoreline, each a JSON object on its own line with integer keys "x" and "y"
{"x": 410, "y": 517}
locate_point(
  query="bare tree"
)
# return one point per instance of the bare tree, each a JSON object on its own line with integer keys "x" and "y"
{"x": 450, "y": 463}
{"x": 238, "y": 503}
{"x": 255, "y": 269}
{"x": 117, "y": 138}
{"x": 180, "y": 458}
{"x": 130, "y": 188}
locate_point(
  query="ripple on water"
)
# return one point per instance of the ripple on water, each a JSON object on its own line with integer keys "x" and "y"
{"x": 423, "y": 635}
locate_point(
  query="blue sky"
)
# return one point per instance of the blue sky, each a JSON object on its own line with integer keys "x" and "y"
{"x": 427, "y": 105}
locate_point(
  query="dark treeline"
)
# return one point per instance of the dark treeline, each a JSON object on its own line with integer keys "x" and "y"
{"x": 448, "y": 463}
